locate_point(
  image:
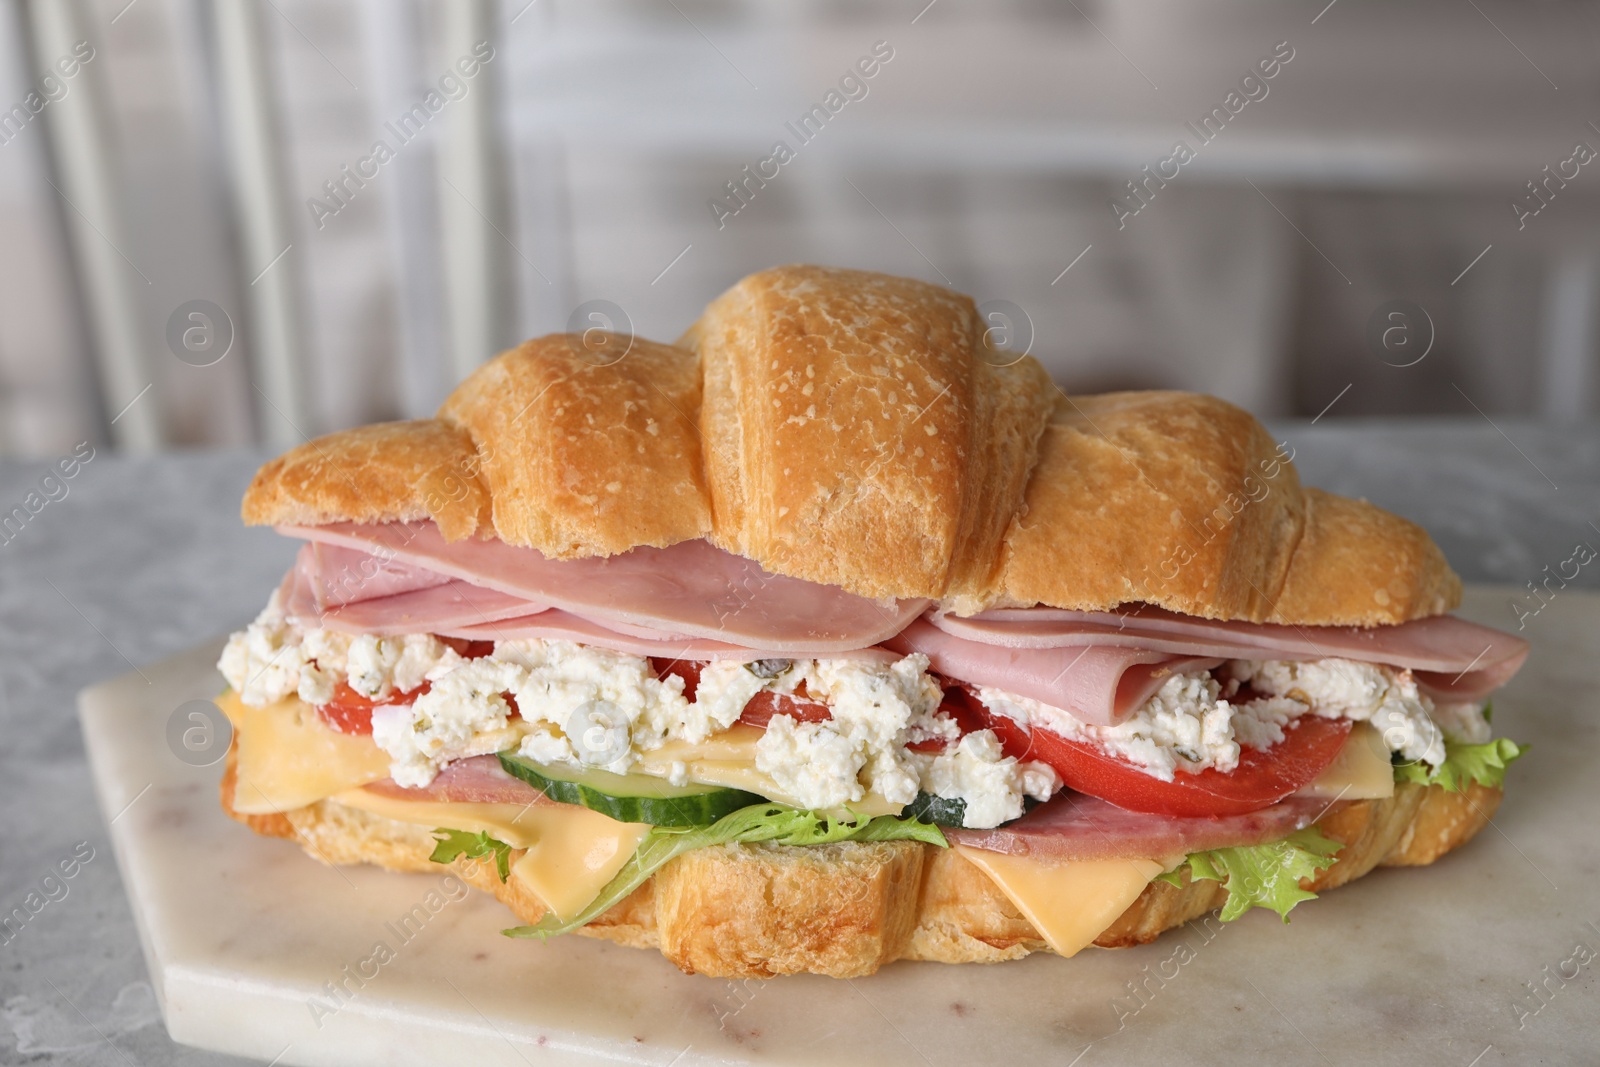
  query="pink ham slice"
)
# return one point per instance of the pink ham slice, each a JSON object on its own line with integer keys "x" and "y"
{"x": 438, "y": 609}
{"x": 1097, "y": 683}
{"x": 476, "y": 780}
{"x": 688, "y": 590}
{"x": 294, "y": 596}
{"x": 339, "y": 575}
{"x": 563, "y": 626}
{"x": 1452, "y": 659}
{"x": 431, "y": 603}
{"x": 1077, "y": 827}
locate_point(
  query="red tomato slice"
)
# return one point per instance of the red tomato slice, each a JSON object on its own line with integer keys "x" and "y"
{"x": 351, "y": 713}
{"x": 761, "y": 708}
{"x": 1261, "y": 779}
{"x": 765, "y": 704}
{"x": 687, "y": 669}
{"x": 469, "y": 649}
{"x": 957, "y": 704}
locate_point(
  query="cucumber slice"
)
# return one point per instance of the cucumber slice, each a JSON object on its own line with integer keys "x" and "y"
{"x": 942, "y": 812}
{"x": 640, "y": 798}
{"x": 937, "y": 810}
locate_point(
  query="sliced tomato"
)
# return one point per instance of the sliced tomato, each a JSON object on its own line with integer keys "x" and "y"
{"x": 761, "y": 708}
{"x": 1262, "y": 778}
{"x": 687, "y": 669}
{"x": 351, "y": 713}
{"x": 958, "y": 704}
{"x": 765, "y": 704}
{"x": 971, "y": 714}
{"x": 467, "y": 648}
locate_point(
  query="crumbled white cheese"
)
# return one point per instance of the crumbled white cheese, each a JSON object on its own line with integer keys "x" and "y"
{"x": 1188, "y": 725}
{"x": 323, "y": 653}
{"x": 1464, "y": 724}
{"x": 992, "y": 784}
{"x": 578, "y": 705}
{"x": 725, "y": 687}
{"x": 464, "y": 713}
{"x": 378, "y": 666}
{"x": 1363, "y": 692}
{"x": 1184, "y": 725}
{"x": 266, "y": 661}
{"x": 678, "y": 774}
{"x": 861, "y": 748}
{"x": 607, "y": 704}
{"x": 543, "y": 745}
{"x": 818, "y": 766}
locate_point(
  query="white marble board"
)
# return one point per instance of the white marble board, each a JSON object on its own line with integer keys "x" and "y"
{"x": 1436, "y": 965}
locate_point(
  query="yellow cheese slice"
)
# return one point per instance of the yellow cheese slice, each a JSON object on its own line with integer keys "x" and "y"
{"x": 288, "y": 757}
{"x": 728, "y": 759}
{"x": 572, "y": 852}
{"x": 1361, "y": 771}
{"x": 1070, "y": 902}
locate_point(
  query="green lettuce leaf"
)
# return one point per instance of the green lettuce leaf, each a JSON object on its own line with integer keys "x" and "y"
{"x": 1463, "y": 764}
{"x": 759, "y": 822}
{"x": 474, "y": 846}
{"x": 1262, "y": 876}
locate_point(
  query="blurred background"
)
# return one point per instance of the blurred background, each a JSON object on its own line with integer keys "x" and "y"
{"x": 255, "y": 220}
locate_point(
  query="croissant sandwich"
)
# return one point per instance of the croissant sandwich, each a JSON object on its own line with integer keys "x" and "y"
{"x": 825, "y": 638}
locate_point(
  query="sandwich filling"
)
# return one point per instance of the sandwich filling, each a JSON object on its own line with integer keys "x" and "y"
{"x": 834, "y": 731}
{"x": 483, "y": 691}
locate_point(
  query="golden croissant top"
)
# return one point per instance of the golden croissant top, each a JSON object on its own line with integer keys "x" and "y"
{"x": 852, "y": 428}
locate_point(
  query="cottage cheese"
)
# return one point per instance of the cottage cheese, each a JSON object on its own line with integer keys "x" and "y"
{"x": 1344, "y": 689}
{"x": 725, "y": 687}
{"x": 463, "y": 713}
{"x": 590, "y": 706}
{"x": 861, "y": 748}
{"x": 1463, "y": 723}
{"x": 1190, "y": 724}
{"x": 1186, "y": 724}
{"x": 271, "y": 659}
{"x": 378, "y": 666}
{"x": 991, "y": 783}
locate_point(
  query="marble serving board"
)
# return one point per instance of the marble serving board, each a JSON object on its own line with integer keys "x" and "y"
{"x": 1487, "y": 957}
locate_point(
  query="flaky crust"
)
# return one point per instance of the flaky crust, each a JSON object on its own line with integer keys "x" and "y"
{"x": 586, "y": 449}
{"x": 387, "y": 472}
{"x": 853, "y": 429}
{"x": 856, "y": 436}
{"x": 846, "y": 909}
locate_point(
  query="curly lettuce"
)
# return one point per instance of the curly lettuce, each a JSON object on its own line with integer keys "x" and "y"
{"x": 760, "y": 822}
{"x": 474, "y": 846}
{"x": 1484, "y": 764}
{"x": 1262, "y": 876}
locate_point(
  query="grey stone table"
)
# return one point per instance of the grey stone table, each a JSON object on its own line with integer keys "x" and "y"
{"x": 144, "y": 557}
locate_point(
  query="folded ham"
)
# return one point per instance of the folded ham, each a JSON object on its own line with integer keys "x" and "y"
{"x": 1074, "y": 826}
{"x": 688, "y": 590}
{"x": 693, "y": 601}
{"x": 336, "y": 575}
{"x": 475, "y": 780}
{"x": 559, "y": 625}
{"x": 1453, "y": 660}
{"x": 1097, "y": 683}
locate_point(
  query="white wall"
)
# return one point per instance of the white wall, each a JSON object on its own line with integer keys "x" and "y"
{"x": 1383, "y": 159}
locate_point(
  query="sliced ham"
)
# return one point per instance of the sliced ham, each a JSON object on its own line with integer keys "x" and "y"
{"x": 1452, "y": 659}
{"x": 437, "y": 609}
{"x": 1073, "y": 826}
{"x": 338, "y": 575}
{"x": 688, "y": 590}
{"x": 563, "y": 626}
{"x": 1097, "y": 683}
{"x": 294, "y": 597}
{"x": 476, "y": 780}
